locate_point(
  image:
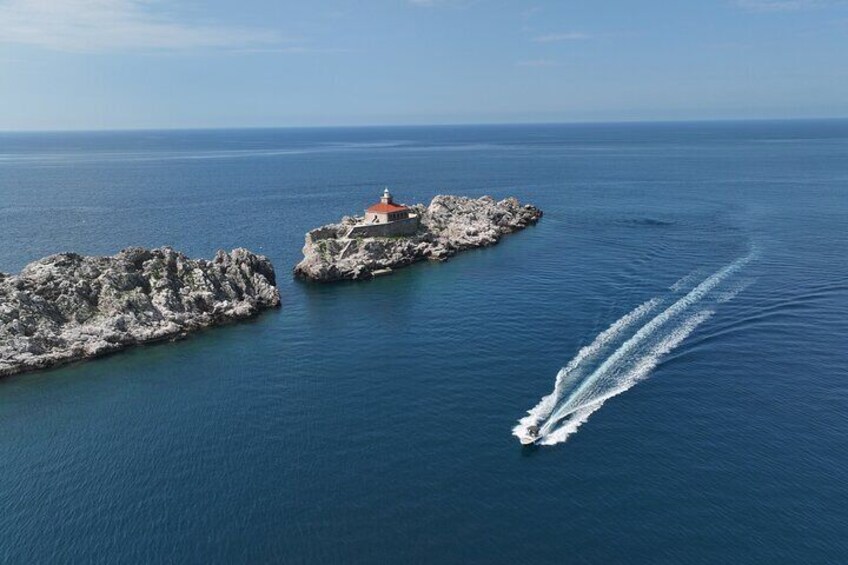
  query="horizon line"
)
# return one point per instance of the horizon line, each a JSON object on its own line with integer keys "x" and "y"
{"x": 634, "y": 121}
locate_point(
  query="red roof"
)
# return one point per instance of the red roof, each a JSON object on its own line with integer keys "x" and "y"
{"x": 381, "y": 208}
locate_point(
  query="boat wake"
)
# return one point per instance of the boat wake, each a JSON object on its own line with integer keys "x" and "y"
{"x": 627, "y": 352}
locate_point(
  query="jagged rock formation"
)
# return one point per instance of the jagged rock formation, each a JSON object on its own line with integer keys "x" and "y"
{"x": 67, "y": 307}
{"x": 448, "y": 225}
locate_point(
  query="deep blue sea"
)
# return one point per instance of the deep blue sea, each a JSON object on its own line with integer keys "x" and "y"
{"x": 677, "y": 322}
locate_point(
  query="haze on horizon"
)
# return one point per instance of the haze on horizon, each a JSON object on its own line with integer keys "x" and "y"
{"x": 123, "y": 64}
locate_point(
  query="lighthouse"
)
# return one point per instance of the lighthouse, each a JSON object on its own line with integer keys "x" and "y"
{"x": 386, "y": 219}
{"x": 386, "y": 210}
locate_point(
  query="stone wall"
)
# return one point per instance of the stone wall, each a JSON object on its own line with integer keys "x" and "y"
{"x": 393, "y": 229}
{"x": 324, "y": 232}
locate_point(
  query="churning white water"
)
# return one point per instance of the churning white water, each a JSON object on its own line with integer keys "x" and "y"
{"x": 627, "y": 352}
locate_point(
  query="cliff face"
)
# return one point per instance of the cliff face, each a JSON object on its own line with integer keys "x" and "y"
{"x": 448, "y": 225}
{"x": 67, "y": 307}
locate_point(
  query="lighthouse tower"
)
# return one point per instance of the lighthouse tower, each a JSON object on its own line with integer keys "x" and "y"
{"x": 386, "y": 219}
{"x": 386, "y": 211}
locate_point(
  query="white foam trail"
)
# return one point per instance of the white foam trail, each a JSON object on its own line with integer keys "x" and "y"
{"x": 685, "y": 281}
{"x": 729, "y": 295}
{"x": 586, "y": 390}
{"x": 569, "y": 427}
{"x": 640, "y": 370}
{"x": 630, "y": 362}
{"x": 570, "y": 373}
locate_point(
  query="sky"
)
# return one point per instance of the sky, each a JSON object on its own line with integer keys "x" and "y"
{"x": 126, "y": 64}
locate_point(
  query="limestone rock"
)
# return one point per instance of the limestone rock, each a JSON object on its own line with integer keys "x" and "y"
{"x": 67, "y": 307}
{"x": 448, "y": 225}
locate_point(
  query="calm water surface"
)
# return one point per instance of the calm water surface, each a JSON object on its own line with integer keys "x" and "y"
{"x": 373, "y": 422}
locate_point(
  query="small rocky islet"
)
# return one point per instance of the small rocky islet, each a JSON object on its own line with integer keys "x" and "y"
{"x": 390, "y": 236}
{"x": 68, "y": 307}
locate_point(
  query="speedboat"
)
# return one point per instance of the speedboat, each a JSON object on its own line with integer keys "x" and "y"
{"x": 531, "y": 437}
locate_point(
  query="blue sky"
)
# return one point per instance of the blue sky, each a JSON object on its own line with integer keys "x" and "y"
{"x": 92, "y": 64}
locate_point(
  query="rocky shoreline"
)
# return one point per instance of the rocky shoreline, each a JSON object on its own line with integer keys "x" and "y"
{"x": 68, "y": 307}
{"x": 450, "y": 224}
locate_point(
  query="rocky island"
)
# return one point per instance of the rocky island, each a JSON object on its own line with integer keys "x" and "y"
{"x": 67, "y": 307}
{"x": 390, "y": 235}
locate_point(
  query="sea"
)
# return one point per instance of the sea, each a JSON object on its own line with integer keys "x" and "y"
{"x": 676, "y": 326}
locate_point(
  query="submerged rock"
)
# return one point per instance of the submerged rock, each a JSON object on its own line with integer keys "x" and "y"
{"x": 448, "y": 225}
{"x": 67, "y": 307}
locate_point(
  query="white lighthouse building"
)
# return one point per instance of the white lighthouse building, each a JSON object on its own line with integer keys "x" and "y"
{"x": 386, "y": 219}
{"x": 385, "y": 210}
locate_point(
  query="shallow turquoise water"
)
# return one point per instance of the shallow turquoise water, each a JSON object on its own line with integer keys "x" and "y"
{"x": 372, "y": 422}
